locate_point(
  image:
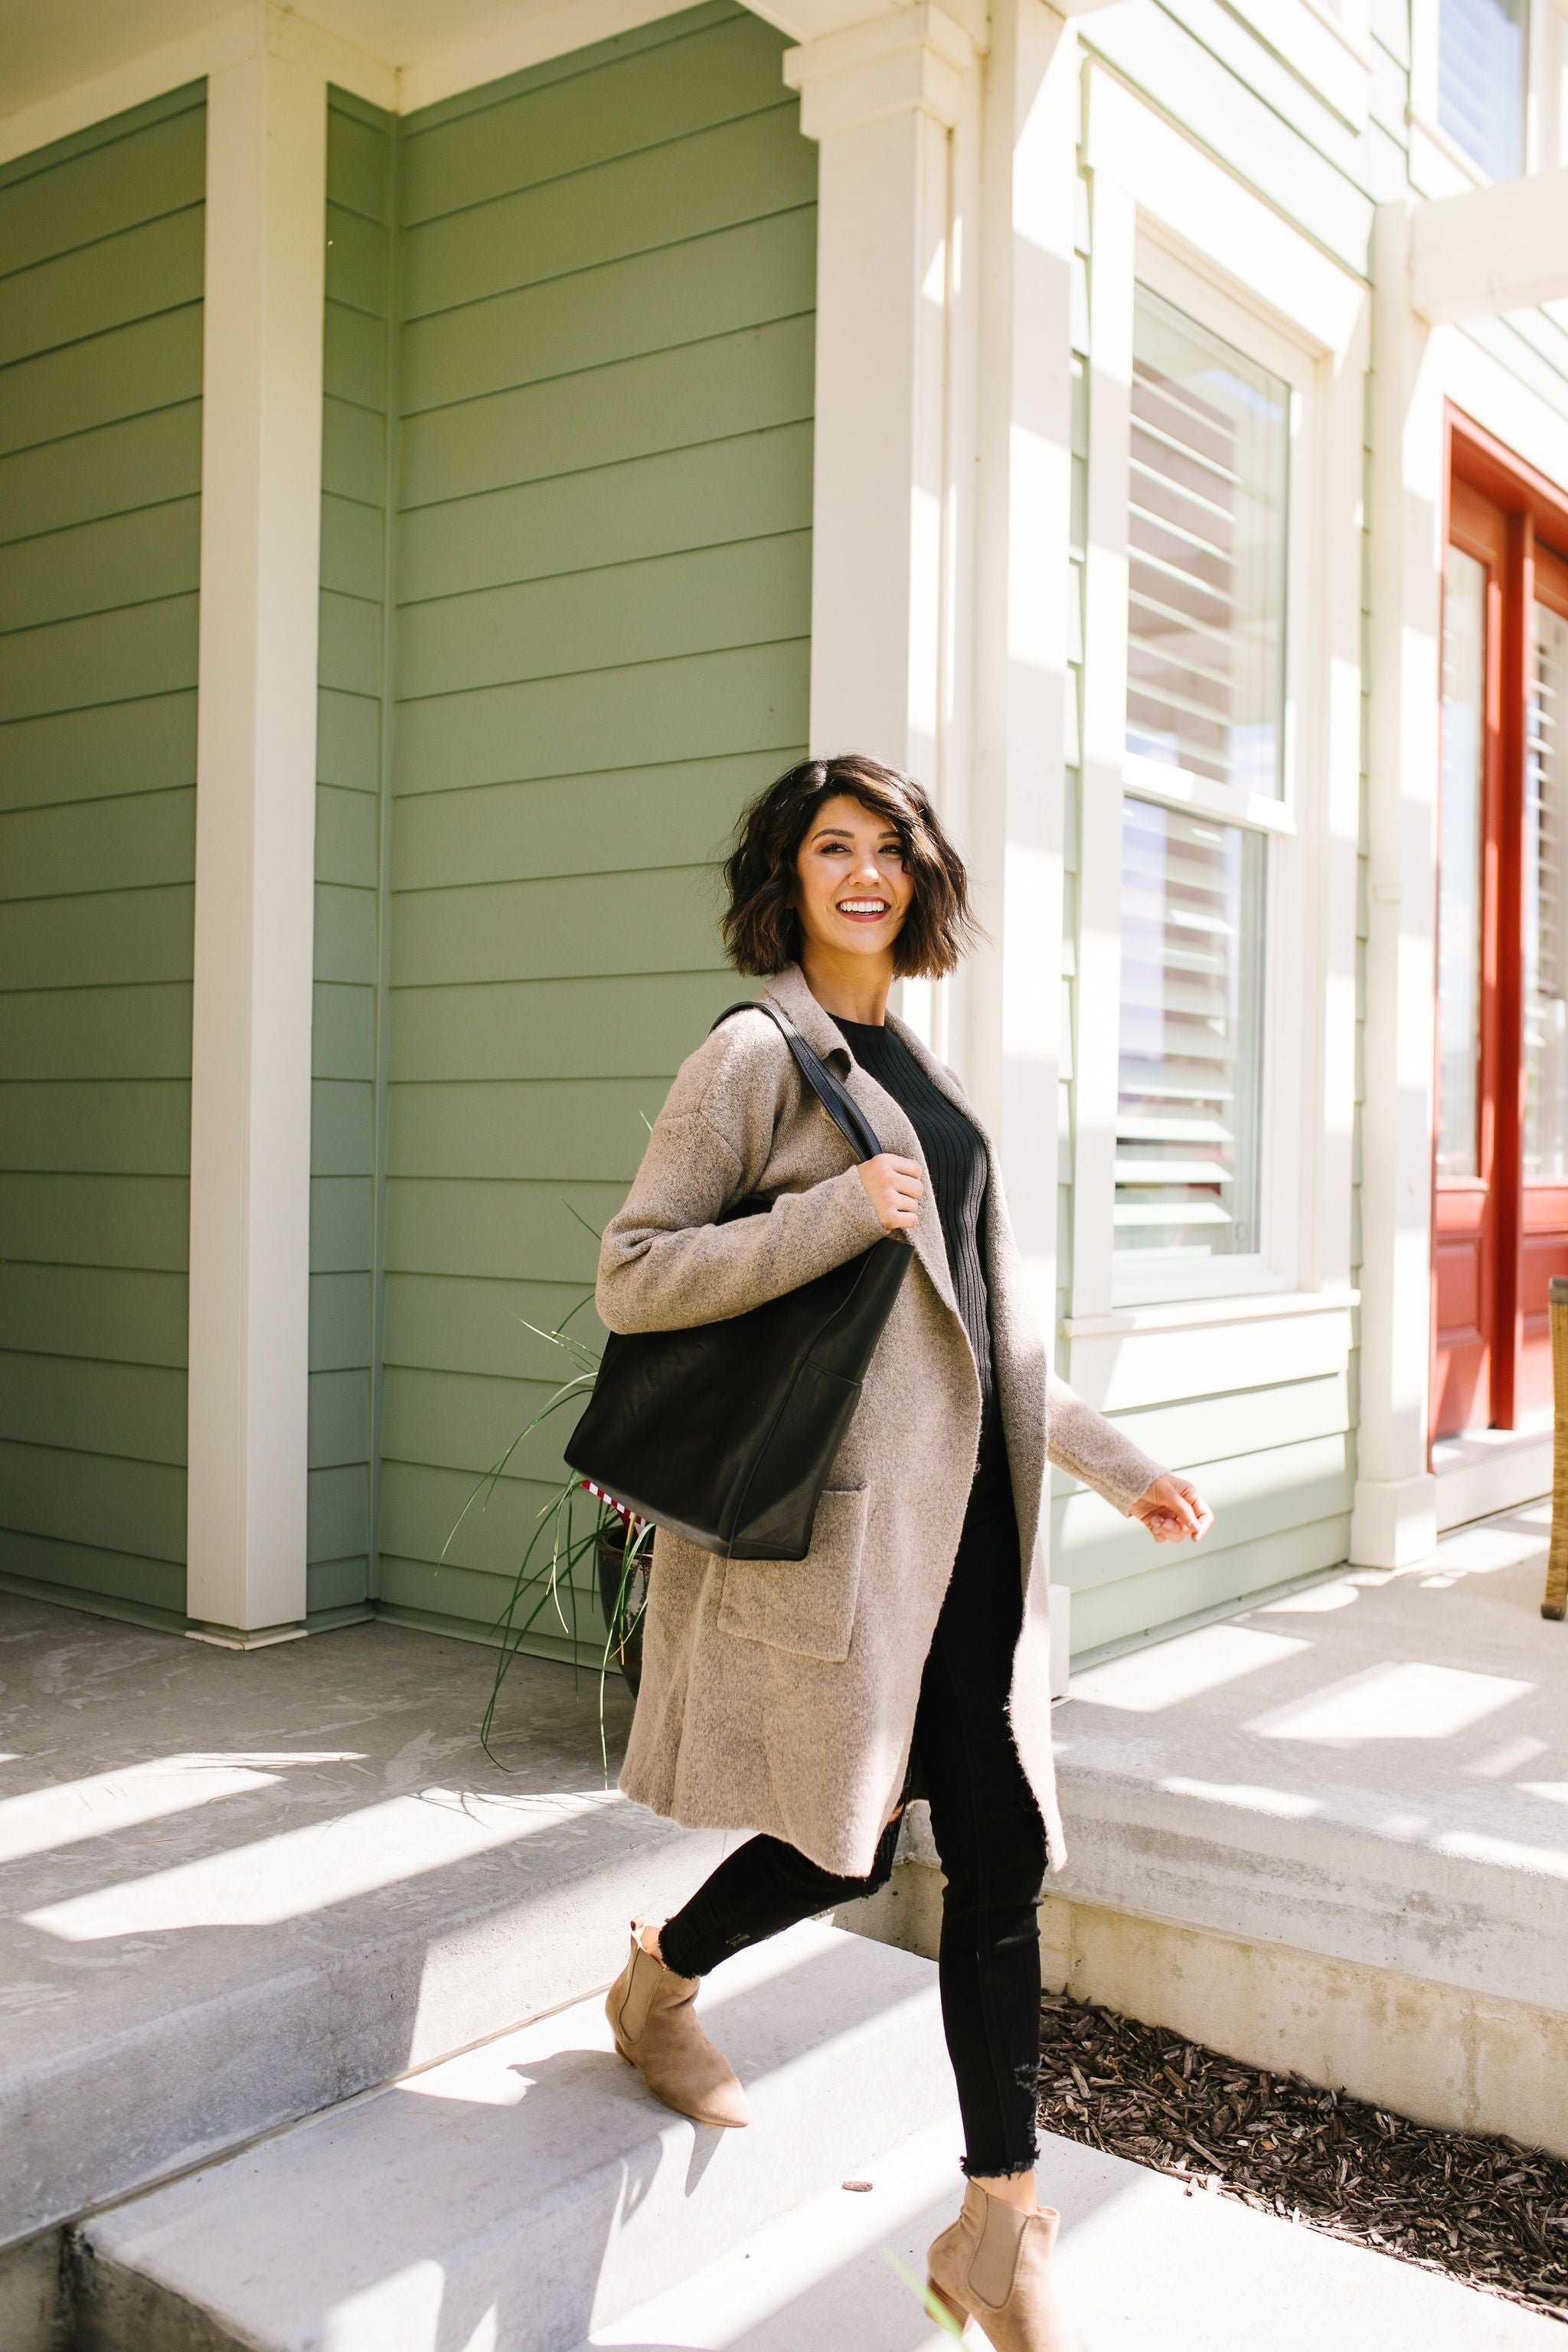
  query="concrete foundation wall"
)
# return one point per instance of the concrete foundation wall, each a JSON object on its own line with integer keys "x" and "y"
{"x": 33, "y": 2301}
{"x": 1440, "y": 2053}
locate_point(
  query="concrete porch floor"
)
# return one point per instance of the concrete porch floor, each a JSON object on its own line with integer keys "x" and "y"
{"x": 237, "y": 1887}
{"x": 1331, "y": 1834}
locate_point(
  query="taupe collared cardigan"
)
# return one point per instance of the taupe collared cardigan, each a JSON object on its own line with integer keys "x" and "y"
{"x": 781, "y": 1695}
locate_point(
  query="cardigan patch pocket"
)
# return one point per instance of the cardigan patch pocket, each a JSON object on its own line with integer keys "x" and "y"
{"x": 805, "y": 1605}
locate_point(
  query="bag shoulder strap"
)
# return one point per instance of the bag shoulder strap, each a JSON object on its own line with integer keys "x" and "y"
{"x": 835, "y": 1098}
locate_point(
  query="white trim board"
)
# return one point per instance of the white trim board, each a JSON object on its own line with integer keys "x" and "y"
{"x": 255, "y": 864}
{"x": 532, "y": 37}
{"x": 1490, "y": 250}
{"x": 1118, "y": 1371}
{"x": 1487, "y": 1470}
{"x": 227, "y": 41}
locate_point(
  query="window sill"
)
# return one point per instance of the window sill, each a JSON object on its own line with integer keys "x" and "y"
{"x": 1188, "y": 1314}
{"x": 1154, "y": 779}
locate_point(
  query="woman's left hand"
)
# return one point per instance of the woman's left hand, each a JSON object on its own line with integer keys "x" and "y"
{"x": 1173, "y": 1510}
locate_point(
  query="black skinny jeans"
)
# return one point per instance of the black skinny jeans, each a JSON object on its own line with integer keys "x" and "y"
{"x": 988, "y": 1833}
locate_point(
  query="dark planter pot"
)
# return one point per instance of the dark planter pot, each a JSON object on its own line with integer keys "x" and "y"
{"x": 623, "y": 1612}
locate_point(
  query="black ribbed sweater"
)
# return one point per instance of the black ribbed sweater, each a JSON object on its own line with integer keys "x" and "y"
{"x": 955, "y": 1157}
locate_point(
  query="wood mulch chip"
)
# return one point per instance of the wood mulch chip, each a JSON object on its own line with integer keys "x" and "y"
{"x": 1486, "y": 2211}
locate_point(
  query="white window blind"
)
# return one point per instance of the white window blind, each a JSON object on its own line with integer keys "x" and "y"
{"x": 1481, "y": 81}
{"x": 1208, "y": 492}
{"x": 1187, "y": 1103}
{"x": 1206, "y": 553}
{"x": 1546, "y": 901}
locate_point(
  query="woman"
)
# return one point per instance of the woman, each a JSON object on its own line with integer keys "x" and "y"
{"x": 796, "y": 1700}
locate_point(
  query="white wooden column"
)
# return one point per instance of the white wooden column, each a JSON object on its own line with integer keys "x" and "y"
{"x": 250, "y": 1111}
{"x": 882, "y": 100}
{"x": 1022, "y": 532}
{"x": 1394, "y": 1516}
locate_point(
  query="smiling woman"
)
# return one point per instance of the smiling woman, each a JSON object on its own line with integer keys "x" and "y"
{"x": 908, "y": 1652}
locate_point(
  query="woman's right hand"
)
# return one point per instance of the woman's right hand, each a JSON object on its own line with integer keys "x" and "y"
{"x": 893, "y": 1187}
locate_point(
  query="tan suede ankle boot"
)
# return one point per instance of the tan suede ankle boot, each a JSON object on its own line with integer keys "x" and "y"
{"x": 655, "y": 2026}
{"x": 995, "y": 2266}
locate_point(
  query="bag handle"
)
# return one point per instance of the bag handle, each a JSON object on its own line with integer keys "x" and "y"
{"x": 835, "y": 1098}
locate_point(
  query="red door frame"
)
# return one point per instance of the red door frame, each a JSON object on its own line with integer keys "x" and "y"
{"x": 1527, "y": 503}
{"x": 1469, "y": 1213}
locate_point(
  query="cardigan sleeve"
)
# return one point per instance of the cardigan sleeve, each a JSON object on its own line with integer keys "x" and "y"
{"x": 665, "y": 1264}
{"x": 1080, "y": 1440}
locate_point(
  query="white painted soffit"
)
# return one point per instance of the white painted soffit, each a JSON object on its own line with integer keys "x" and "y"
{"x": 1490, "y": 250}
{"x": 402, "y": 53}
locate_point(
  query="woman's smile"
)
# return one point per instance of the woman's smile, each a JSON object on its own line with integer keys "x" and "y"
{"x": 851, "y": 874}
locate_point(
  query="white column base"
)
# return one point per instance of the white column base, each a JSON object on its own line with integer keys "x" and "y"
{"x": 239, "y": 1637}
{"x": 1394, "y": 1521}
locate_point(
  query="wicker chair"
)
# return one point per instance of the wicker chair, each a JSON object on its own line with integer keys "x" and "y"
{"x": 1555, "y": 1601}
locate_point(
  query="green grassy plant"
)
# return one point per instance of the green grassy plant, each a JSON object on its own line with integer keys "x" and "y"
{"x": 547, "y": 1575}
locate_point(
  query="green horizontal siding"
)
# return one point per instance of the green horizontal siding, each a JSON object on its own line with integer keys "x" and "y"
{"x": 1276, "y": 1462}
{"x": 100, "y": 308}
{"x": 605, "y": 366}
{"x": 347, "y": 1029}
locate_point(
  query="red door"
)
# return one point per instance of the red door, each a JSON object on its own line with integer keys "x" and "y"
{"x": 1464, "y": 1237}
{"x": 1499, "y": 1222}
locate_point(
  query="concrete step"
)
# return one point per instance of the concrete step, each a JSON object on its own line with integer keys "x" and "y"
{"x": 314, "y": 1883}
{"x": 1145, "y": 2266}
{"x": 515, "y": 2197}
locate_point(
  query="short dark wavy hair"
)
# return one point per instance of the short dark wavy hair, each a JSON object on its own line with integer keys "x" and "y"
{"x": 760, "y": 927}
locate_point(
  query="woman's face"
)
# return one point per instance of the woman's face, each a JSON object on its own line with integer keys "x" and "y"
{"x": 851, "y": 891}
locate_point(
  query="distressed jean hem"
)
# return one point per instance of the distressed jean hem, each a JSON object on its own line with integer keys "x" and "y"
{"x": 973, "y": 2168}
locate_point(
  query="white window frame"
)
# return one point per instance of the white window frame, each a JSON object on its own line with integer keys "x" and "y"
{"x": 1137, "y": 1280}
{"x": 1439, "y": 166}
{"x": 1166, "y": 215}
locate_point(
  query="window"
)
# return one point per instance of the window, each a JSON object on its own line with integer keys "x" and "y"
{"x": 1205, "y": 618}
{"x": 1481, "y": 63}
{"x": 1206, "y": 773}
{"x": 1186, "y": 1127}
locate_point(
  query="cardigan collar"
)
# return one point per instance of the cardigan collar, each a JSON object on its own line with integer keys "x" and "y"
{"x": 789, "y": 990}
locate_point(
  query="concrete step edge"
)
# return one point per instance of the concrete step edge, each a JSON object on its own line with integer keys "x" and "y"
{"x": 198, "y": 2083}
{"x": 558, "y": 2204}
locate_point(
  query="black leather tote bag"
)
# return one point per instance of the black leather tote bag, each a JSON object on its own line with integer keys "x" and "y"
{"x": 725, "y": 1434}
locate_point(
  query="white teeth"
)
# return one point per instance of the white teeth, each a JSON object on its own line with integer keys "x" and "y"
{"x": 862, "y": 906}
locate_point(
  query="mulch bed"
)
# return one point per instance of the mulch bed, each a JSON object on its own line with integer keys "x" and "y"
{"x": 1486, "y": 2211}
